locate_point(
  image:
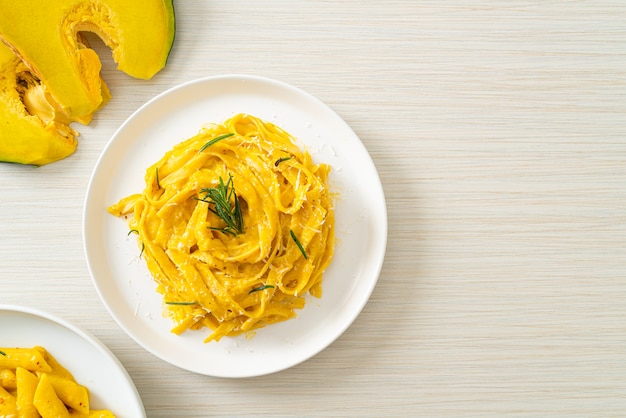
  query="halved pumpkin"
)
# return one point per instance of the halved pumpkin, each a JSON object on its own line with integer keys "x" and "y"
{"x": 33, "y": 129}
{"x": 45, "y": 35}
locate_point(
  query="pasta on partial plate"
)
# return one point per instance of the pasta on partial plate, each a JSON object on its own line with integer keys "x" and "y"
{"x": 34, "y": 384}
{"x": 236, "y": 226}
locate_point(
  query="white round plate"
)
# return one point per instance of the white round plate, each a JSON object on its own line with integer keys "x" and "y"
{"x": 91, "y": 363}
{"x": 123, "y": 281}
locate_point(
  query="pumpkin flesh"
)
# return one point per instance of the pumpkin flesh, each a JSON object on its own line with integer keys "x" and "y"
{"x": 46, "y": 36}
{"x": 34, "y": 129}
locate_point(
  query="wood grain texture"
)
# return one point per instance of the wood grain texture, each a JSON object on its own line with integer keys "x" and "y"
{"x": 499, "y": 132}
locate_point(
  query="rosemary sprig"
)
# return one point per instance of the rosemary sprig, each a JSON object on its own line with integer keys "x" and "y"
{"x": 256, "y": 289}
{"x": 214, "y": 140}
{"x": 157, "y": 178}
{"x": 280, "y": 160}
{"x": 181, "y": 303}
{"x": 143, "y": 244}
{"x": 297, "y": 241}
{"x": 225, "y": 205}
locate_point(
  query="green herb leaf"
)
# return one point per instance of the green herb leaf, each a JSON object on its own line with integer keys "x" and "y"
{"x": 181, "y": 303}
{"x": 214, "y": 140}
{"x": 3, "y": 353}
{"x": 143, "y": 245}
{"x": 157, "y": 178}
{"x": 256, "y": 289}
{"x": 280, "y": 160}
{"x": 225, "y": 205}
{"x": 297, "y": 241}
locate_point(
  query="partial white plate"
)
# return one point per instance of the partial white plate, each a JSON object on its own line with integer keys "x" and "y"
{"x": 123, "y": 281}
{"x": 91, "y": 363}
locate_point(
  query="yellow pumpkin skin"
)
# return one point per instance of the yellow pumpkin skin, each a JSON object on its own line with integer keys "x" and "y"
{"x": 45, "y": 34}
{"x": 26, "y": 138}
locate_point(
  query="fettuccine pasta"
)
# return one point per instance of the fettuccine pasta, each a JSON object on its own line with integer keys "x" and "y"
{"x": 236, "y": 226}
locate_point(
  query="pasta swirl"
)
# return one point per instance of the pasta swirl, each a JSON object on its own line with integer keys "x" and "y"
{"x": 210, "y": 274}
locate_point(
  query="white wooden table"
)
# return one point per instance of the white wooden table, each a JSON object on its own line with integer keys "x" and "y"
{"x": 499, "y": 132}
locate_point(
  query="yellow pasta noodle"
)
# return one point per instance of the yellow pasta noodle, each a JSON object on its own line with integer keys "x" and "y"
{"x": 34, "y": 384}
{"x": 236, "y": 226}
